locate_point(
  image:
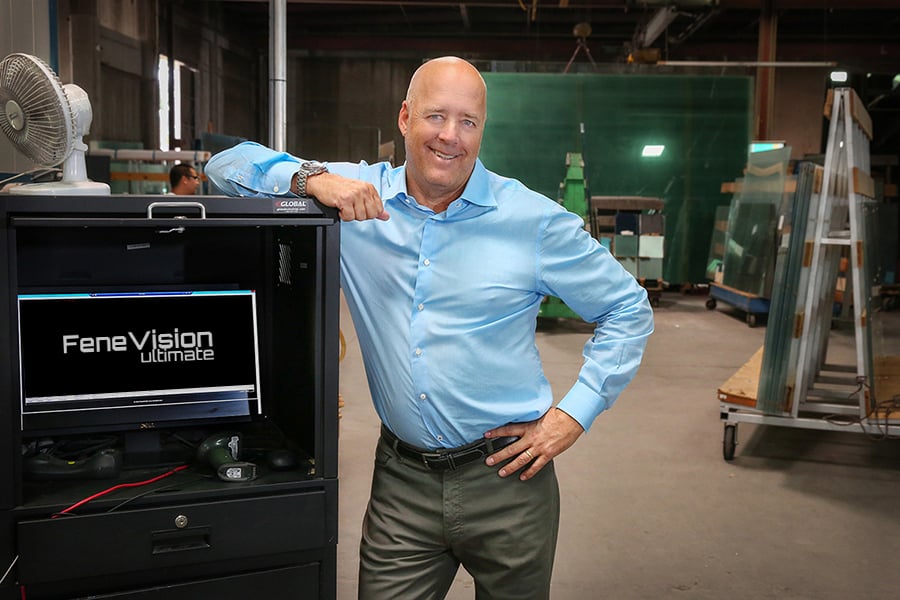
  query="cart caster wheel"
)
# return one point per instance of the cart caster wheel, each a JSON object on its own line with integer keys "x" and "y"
{"x": 711, "y": 304}
{"x": 751, "y": 319}
{"x": 729, "y": 442}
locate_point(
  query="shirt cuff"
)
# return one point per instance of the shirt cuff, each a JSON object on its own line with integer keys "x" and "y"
{"x": 582, "y": 404}
{"x": 280, "y": 176}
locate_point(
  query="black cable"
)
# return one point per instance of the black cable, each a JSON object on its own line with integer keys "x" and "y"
{"x": 197, "y": 477}
{"x": 76, "y": 449}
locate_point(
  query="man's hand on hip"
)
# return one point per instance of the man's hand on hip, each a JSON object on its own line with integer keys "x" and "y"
{"x": 539, "y": 442}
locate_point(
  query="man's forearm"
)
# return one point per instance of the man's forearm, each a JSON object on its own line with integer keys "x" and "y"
{"x": 355, "y": 199}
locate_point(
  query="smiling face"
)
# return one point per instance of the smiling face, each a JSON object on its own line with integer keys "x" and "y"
{"x": 442, "y": 121}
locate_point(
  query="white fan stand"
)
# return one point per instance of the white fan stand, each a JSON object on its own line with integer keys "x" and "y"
{"x": 75, "y": 181}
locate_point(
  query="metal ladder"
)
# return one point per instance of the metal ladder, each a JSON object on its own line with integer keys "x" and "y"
{"x": 847, "y": 187}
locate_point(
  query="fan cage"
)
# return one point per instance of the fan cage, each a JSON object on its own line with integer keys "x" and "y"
{"x": 46, "y": 134}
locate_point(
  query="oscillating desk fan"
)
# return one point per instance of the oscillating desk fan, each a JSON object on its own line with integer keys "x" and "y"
{"x": 46, "y": 121}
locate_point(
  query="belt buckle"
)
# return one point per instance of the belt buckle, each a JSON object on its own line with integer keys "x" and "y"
{"x": 430, "y": 459}
{"x": 433, "y": 457}
{"x": 476, "y": 451}
{"x": 452, "y": 463}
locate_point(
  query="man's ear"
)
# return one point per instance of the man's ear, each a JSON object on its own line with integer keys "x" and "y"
{"x": 403, "y": 118}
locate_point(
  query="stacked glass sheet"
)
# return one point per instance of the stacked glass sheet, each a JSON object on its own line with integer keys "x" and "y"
{"x": 717, "y": 244}
{"x": 750, "y": 245}
{"x": 776, "y": 379}
{"x": 881, "y": 259}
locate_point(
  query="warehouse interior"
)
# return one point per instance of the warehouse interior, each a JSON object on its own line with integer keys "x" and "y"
{"x": 700, "y": 482}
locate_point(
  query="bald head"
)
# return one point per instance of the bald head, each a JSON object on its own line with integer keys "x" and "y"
{"x": 442, "y": 121}
{"x": 447, "y": 70}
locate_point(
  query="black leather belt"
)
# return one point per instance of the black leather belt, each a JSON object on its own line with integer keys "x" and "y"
{"x": 449, "y": 458}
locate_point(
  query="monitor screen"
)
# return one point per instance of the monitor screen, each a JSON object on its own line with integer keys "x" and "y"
{"x": 99, "y": 361}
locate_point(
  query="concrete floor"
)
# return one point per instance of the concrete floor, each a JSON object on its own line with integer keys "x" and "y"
{"x": 649, "y": 507}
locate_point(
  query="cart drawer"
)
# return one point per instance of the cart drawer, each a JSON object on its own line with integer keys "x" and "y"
{"x": 160, "y": 538}
{"x": 291, "y": 582}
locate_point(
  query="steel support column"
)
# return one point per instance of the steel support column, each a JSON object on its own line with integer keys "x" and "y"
{"x": 765, "y": 76}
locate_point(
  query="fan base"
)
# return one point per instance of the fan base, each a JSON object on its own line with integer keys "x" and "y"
{"x": 62, "y": 188}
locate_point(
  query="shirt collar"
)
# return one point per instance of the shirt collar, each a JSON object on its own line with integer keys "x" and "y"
{"x": 477, "y": 191}
{"x": 396, "y": 183}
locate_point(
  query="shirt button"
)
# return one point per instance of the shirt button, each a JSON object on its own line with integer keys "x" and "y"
{"x": 440, "y": 438}
{"x": 422, "y": 396}
{"x": 418, "y": 352}
{"x": 426, "y": 262}
{"x": 275, "y": 189}
{"x": 421, "y": 307}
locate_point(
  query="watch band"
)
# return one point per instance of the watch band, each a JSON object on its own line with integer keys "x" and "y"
{"x": 306, "y": 170}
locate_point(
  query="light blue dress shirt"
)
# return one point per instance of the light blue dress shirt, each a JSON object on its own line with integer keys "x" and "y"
{"x": 445, "y": 304}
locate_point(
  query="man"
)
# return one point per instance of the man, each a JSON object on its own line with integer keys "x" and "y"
{"x": 444, "y": 265}
{"x": 183, "y": 180}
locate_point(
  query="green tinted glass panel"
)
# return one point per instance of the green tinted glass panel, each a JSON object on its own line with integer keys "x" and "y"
{"x": 703, "y": 122}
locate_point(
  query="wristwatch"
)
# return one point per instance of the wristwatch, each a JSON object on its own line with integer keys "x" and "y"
{"x": 306, "y": 170}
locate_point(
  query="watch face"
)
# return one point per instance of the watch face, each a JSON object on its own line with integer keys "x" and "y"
{"x": 312, "y": 168}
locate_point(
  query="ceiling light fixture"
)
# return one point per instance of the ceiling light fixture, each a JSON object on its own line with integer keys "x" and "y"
{"x": 764, "y": 146}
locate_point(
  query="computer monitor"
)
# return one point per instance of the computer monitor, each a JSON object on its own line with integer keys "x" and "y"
{"x": 129, "y": 360}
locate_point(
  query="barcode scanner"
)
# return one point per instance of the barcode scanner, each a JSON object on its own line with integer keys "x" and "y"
{"x": 222, "y": 452}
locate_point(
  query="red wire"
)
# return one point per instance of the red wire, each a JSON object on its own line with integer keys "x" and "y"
{"x": 117, "y": 487}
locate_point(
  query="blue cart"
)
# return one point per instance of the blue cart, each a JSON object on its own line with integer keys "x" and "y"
{"x": 752, "y": 305}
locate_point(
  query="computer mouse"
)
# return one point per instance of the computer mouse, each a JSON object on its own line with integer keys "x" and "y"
{"x": 281, "y": 460}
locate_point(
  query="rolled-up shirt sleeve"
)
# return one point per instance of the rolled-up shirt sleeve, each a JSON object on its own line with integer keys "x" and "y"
{"x": 252, "y": 170}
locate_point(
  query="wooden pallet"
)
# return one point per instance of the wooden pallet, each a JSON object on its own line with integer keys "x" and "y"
{"x": 742, "y": 387}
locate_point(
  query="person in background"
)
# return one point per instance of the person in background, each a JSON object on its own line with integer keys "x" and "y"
{"x": 444, "y": 265}
{"x": 183, "y": 180}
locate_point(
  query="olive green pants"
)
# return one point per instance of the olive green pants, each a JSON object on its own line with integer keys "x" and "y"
{"x": 420, "y": 525}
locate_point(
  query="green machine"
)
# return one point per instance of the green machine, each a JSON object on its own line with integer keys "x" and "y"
{"x": 573, "y": 195}
{"x": 573, "y": 191}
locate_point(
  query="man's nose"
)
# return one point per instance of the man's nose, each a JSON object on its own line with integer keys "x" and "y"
{"x": 450, "y": 131}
